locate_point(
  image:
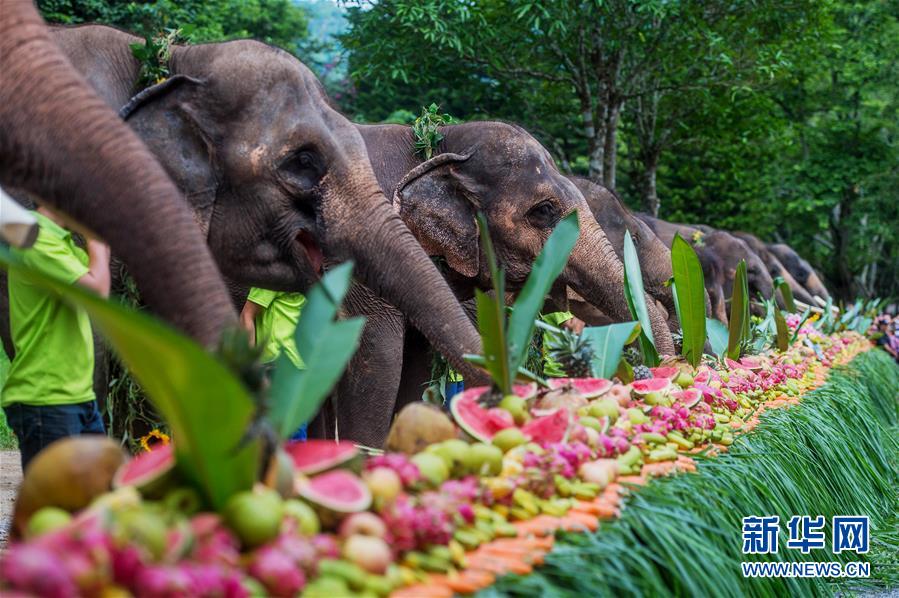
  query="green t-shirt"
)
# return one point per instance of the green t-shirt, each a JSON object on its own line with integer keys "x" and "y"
{"x": 551, "y": 367}
{"x": 277, "y": 324}
{"x": 54, "y": 362}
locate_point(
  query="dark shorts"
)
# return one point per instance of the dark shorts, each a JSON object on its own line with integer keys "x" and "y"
{"x": 37, "y": 426}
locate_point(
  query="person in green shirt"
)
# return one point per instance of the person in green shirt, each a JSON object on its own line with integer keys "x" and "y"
{"x": 49, "y": 392}
{"x": 271, "y": 318}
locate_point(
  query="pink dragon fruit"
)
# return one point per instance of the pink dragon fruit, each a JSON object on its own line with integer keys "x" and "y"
{"x": 35, "y": 570}
{"x": 277, "y": 572}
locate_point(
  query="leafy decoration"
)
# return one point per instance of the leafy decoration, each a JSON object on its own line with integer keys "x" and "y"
{"x": 739, "y": 313}
{"x": 426, "y": 130}
{"x": 636, "y": 300}
{"x": 608, "y": 344}
{"x": 690, "y": 299}
{"x": 154, "y": 55}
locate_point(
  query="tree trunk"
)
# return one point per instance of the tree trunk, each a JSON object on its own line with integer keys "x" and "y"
{"x": 650, "y": 194}
{"x": 610, "y": 149}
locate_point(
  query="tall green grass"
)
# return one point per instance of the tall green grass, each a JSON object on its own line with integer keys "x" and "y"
{"x": 835, "y": 454}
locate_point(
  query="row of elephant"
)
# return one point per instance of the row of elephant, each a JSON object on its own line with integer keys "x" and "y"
{"x": 279, "y": 185}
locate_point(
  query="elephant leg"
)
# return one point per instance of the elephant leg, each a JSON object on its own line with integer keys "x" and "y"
{"x": 417, "y": 359}
{"x": 366, "y": 394}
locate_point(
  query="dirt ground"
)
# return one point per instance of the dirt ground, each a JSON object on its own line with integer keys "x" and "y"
{"x": 10, "y": 477}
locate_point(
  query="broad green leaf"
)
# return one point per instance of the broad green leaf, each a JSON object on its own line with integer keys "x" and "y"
{"x": 690, "y": 298}
{"x": 547, "y": 267}
{"x": 325, "y": 346}
{"x": 717, "y": 336}
{"x": 608, "y": 343}
{"x": 786, "y": 292}
{"x": 625, "y": 372}
{"x": 636, "y": 300}
{"x": 491, "y": 321}
{"x": 747, "y": 332}
{"x": 204, "y": 404}
{"x": 783, "y": 333}
{"x": 738, "y": 312}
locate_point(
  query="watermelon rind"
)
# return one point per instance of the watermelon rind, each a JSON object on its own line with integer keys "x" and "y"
{"x": 152, "y": 472}
{"x": 316, "y": 456}
{"x": 474, "y": 419}
{"x": 589, "y": 388}
{"x": 690, "y": 397}
{"x": 337, "y": 490}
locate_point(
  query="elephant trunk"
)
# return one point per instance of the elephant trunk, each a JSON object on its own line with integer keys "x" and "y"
{"x": 394, "y": 266}
{"x": 61, "y": 143}
{"x": 596, "y": 273}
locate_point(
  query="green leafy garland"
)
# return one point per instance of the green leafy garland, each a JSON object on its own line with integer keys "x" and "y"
{"x": 154, "y": 55}
{"x": 427, "y": 137}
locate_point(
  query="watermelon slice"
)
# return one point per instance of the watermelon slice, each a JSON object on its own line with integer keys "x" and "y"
{"x": 315, "y": 456}
{"x": 482, "y": 424}
{"x": 750, "y": 363}
{"x": 589, "y": 388}
{"x": 548, "y": 428}
{"x": 702, "y": 376}
{"x": 642, "y": 387}
{"x": 525, "y": 391}
{"x": 665, "y": 372}
{"x": 690, "y": 397}
{"x": 152, "y": 473}
{"x": 339, "y": 490}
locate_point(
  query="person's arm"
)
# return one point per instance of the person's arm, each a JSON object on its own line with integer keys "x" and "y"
{"x": 248, "y": 319}
{"x": 97, "y": 278}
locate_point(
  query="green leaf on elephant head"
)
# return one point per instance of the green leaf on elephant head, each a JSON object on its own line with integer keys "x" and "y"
{"x": 325, "y": 346}
{"x": 608, "y": 344}
{"x": 786, "y": 293}
{"x": 636, "y": 300}
{"x": 738, "y": 320}
{"x": 717, "y": 332}
{"x": 690, "y": 298}
{"x": 546, "y": 268}
{"x": 782, "y": 338}
{"x": 204, "y": 404}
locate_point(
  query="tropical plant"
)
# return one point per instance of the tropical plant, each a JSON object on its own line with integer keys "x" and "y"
{"x": 689, "y": 292}
{"x": 506, "y": 339}
{"x": 426, "y": 131}
{"x": 738, "y": 322}
{"x": 608, "y": 344}
{"x": 636, "y": 301}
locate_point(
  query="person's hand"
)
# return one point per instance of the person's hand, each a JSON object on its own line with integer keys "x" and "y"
{"x": 576, "y": 325}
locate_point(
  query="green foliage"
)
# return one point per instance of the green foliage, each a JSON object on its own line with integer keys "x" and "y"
{"x": 608, "y": 344}
{"x": 636, "y": 300}
{"x": 187, "y": 386}
{"x": 690, "y": 286}
{"x": 326, "y": 347}
{"x": 738, "y": 320}
{"x": 505, "y": 340}
{"x": 782, "y": 339}
{"x": 425, "y": 130}
{"x": 781, "y": 285}
{"x": 154, "y": 55}
{"x": 833, "y": 454}
{"x": 718, "y": 336}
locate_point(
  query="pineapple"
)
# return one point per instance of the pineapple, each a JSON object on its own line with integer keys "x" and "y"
{"x": 573, "y": 353}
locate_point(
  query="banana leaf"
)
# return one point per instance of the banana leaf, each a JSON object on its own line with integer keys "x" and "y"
{"x": 717, "y": 336}
{"x": 786, "y": 292}
{"x": 690, "y": 299}
{"x": 782, "y": 338}
{"x": 325, "y": 346}
{"x": 205, "y": 405}
{"x": 608, "y": 344}
{"x": 739, "y": 308}
{"x": 547, "y": 267}
{"x": 636, "y": 300}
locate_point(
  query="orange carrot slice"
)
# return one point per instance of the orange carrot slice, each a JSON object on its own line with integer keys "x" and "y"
{"x": 423, "y": 590}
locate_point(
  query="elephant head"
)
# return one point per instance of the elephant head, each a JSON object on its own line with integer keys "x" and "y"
{"x": 775, "y": 268}
{"x": 801, "y": 270}
{"x": 730, "y": 250}
{"x": 61, "y": 143}
{"x": 280, "y": 182}
{"x": 502, "y": 171}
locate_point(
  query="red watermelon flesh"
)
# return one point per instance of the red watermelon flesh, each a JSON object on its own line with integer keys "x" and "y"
{"x": 642, "y": 387}
{"x": 338, "y": 490}
{"x": 702, "y": 377}
{"x": 480, "y": 423}
{"x": 589, "y": 388}
{"x": 150, "y": 472}
{"x": 665, "y": 372}
{"x": 314, "y": 456}
{"x": 547, "y": 428}
{"x": 690, "y": 397}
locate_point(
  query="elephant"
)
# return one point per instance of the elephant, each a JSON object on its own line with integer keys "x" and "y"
{"x": 60, "y": 143}
{"x": 501, "y": 170}
{"x": 655, "y": 257}
{"x": 775, "y": 268}
{"x": 279, "y": 182}
{"x": 801, "y": 270}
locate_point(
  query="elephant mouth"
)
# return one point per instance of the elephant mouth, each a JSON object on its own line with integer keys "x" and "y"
{"x": 312, "y": 250}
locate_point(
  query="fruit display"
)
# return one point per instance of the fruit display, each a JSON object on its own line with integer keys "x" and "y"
{"x": 457, "y": 500}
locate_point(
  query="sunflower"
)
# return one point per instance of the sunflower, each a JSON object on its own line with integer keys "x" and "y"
{"x": 154, "y": 438}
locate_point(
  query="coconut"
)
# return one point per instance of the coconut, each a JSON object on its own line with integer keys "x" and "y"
{"x": 68, "y": 474}
{"x": 418, "y": 426}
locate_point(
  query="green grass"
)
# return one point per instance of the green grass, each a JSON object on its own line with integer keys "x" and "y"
{"x": 835, "y": 454}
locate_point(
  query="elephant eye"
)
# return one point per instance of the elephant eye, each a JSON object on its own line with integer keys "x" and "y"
{"x": 300, "y": 170}
{"x": 543, "y": 215}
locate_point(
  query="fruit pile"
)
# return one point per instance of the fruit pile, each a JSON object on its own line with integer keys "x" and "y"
{"x": 437, "y": 514}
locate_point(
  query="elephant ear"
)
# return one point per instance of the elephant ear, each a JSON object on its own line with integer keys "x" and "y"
{"x": 437, "y": 201}
{"x": 171, "y": 121}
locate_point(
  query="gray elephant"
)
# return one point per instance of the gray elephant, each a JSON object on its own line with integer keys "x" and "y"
{"x": 61, "y": 143}
{"x": 801, "y": 270}
{"x": 502, "y": 171}
{"x": 775, "y": 267}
